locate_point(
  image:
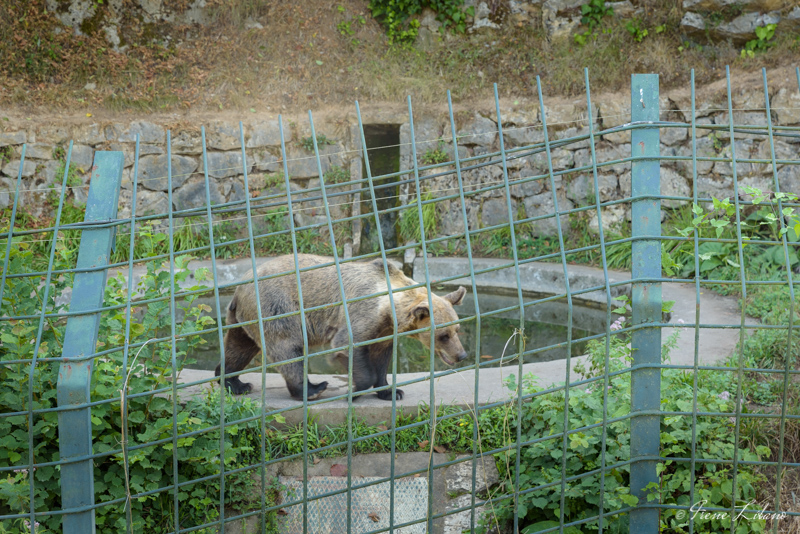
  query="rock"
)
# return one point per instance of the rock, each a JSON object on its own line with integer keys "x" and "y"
{"x": 224, "y": 164}
{"x": 785, "y": 106}
{"x": 265, "y": 161}
{"x": 521, "y": 135}
{"x": 187, "y": 142}
{"x": 563, "y": 116}
{"x": 743, "y": 148}
{"x": 428, "y": 28}
{"x": 451, "y": 218}
{"x": 129, "y": 151}
{"x": 622, "y": 10}
{"x": 694, "y": 25}
{"x": 51, "y": 134}
{"x": 91, "y": 134}
{"x": 267, "y": 133}
{"x": 147, "y": 132}
{"x": 482, "y": 178}
{"x": 612, "y": 217}
{"x": 541, "y": 205}
{"x": 463, "y": 152}
{"x": 783, "y": 151}
{"x": 153, "y": 171}
{"x": 561, "y": 159}
{"x": 791, "y": 22}
{"x": 428, "y": 137}
{"x": 715, "y": 5}
{"x": 614, "y": 113}
{"x": 7, "y": 192}
{"x": 576, "y": 144}
{"x": 91, "y": 86}
{"x": 82, "y": 157}
{"x": 481, "y": 131}
{"x": 559, "y": 28}
{"x": 674, "y": 185}
{"x": 710, "y": 185}
{"x": 147, "y": 203}
{"x": 671, "y": 136}
{"x": 222, "y": 136}
{"x": 12, "y": 168}
{"x": 743, "y": 27}
{"x": 625, "y": 184}
{"x": 193, "y": 194}
{"x": 789, "y": 178}
{"x": 49, "y": 173}
{"x": 458, "y": 477}
{"x": 609, "y": 153}
{"x": 583, "y": 158}
{"x": 13, "y": 138}
{"x": 481, "y": 18}
{"x": 705, "y": 149}
{"x": 581, "y": 189}
{"x": 495, "y": 211}
{"x": 237, "y": 191}
{"x": 528, "y": 188}
{"x": 251, "y": 24}
{"x": 39, "y": 151}
{"x": 456, "y": 523}
{"x": 303, "y": 165}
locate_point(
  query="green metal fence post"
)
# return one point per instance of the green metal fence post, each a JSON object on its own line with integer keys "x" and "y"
{"x": 80, "y": 338}
{"x": 646, "y": 299}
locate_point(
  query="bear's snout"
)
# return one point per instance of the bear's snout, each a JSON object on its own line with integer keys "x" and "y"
{"x": 462, "y": 356}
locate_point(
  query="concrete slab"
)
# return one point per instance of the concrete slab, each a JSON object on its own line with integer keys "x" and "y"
{"x": 459, "y": 388}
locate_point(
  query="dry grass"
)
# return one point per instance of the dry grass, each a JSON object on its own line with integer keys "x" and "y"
{"x": 302, "y": 60}
{"x": 767, "y": 432}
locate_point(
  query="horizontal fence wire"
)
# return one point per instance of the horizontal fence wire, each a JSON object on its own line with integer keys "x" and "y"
{"x": 173, "y": 452}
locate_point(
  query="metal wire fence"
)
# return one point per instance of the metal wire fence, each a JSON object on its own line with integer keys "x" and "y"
{"x": 102, "y": 431}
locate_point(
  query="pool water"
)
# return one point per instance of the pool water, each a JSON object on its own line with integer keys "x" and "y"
{"x": 545, "y": 324}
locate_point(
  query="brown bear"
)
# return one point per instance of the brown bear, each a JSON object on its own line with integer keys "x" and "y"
{"x": 370, "y": 318}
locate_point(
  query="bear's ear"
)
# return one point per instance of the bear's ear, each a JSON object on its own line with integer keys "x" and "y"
{"x": 456, "y": 296}
{"x": 421, "y": 312}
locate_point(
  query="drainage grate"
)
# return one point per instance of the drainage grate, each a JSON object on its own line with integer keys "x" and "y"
{"x": 369, "y": 505}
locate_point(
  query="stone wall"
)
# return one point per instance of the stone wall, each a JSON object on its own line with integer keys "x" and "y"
{"x": 703, "y": 20}
{"x": 712, "y": 20}
{"x": 124, "y": 21}
{"x": 478, "y": 139}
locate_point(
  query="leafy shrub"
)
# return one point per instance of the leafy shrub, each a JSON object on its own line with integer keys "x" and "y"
{"x": 432, "y": 157}
{"x": 762, "y": 42}
{"x": 541, "y": 460}
{"x": 149, "y": 417}
{"x": 397, "y": 16}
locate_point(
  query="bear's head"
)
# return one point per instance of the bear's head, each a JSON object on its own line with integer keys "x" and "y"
{"x": 446, "y": 343}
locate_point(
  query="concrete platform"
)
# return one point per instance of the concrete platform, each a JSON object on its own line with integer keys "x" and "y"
{"x": 459, "y": 388}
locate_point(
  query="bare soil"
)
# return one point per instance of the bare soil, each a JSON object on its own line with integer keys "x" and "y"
{"x": 324, "y": 55}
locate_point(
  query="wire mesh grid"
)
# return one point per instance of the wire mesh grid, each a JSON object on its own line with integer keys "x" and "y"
{"x": 625, "y": 440}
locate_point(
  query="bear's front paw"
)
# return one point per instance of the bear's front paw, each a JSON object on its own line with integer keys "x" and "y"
{"x": 386, "y": 394}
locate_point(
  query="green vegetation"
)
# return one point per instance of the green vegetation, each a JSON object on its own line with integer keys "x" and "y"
{"x": 398, "y": 16}
{"x": 593, "y": 14}
{"x": 408, "y": 226}
{"x": 147, "y": 418}
{"x": 271, "y": 237}
{"x": 434, "y": 156}
{"x": 762, "y": 42}
{"x": 322, "y": 140}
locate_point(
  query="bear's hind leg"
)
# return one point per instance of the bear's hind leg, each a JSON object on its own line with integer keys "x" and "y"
{"x": 293, "y": 372}
{"x": 239, "y": 351}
